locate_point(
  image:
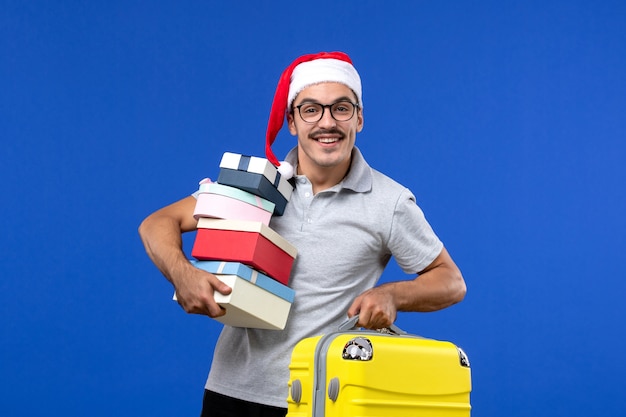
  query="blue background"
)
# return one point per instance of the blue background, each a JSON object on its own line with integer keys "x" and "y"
{"x": 506, "y": 119}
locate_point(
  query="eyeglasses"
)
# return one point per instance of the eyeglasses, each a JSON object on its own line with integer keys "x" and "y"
{"x": 341, "y": 111}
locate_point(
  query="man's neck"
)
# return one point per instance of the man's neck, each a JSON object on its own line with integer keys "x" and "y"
{"x": 323, "y": 178}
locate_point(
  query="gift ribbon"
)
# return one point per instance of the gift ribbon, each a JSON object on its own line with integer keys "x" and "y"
{"x": 244, "y": 164}
{"x": 259, "y": 202}
{"x": 253, "y": 278}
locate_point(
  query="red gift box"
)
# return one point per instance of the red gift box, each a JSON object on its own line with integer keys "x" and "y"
{"x": 251, "y": 243}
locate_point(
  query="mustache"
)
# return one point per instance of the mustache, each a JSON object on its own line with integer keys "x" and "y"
{"x": 322, "y": 132}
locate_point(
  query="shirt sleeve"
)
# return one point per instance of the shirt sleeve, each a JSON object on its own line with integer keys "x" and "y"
{"x": 412, "y": 241}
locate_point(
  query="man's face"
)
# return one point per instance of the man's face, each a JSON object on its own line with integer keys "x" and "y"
{"x": 327, "y": 143}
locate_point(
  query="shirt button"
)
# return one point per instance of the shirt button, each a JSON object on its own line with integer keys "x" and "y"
{"x": 309, "y": 220}
{"x": 307, "y": 194}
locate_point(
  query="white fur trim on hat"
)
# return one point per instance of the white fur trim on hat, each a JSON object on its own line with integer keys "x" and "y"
{"x": 324, "y": 70}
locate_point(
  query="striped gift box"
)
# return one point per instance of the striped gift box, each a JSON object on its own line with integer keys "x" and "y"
{"x": 257, "y": 176}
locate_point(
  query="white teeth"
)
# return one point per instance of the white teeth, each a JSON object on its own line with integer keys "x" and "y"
{"x": 327, "y": 140}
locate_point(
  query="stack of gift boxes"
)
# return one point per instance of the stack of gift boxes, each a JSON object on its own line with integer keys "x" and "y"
{"x": 235, "y": 242}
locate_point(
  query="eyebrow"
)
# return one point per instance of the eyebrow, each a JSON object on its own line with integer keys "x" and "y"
{"x": 310, "y": 100}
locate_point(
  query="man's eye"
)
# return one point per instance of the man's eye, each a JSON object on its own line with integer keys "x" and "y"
{"x": 310, "y": 109}
{"x": 342, "y": 108}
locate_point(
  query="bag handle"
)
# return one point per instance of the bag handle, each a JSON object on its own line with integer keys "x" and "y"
{"x": 352, "y": 321}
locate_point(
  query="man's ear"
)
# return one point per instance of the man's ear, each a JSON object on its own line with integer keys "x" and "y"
{"x": 359, "y": 120}
{"x": 291, "y": 124}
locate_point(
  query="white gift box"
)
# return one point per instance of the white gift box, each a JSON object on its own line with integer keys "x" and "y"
{"x": 256, "y": 300}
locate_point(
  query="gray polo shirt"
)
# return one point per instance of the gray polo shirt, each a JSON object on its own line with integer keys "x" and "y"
{"x": 345, "y": 237}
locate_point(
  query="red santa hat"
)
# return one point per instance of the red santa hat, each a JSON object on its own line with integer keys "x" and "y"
{"x": 303, "y": 72}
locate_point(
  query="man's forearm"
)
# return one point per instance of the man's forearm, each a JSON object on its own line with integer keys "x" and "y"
{"x": 161, "y": 234}
{"x": 431, "y": 291}
{"x": 162, "y": 240}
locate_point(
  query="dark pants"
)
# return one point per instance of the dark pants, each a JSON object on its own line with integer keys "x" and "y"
{"x": 218, "y": 405}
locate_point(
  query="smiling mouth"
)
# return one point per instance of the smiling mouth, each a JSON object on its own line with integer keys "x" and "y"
{"x": 327, "y": 140}
{"x": 329, "y": 136}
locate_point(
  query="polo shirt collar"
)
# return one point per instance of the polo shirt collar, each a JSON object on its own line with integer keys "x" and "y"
{"x": 359, "y": 178}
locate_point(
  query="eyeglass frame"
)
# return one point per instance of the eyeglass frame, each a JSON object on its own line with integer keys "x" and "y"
{"x": 329, "y": 106}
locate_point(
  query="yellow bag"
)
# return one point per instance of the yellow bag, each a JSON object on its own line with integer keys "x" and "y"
{"x": 384, "y": 373}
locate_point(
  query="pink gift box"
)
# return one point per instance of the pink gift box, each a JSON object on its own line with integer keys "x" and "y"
{"x": 225, "y": 207}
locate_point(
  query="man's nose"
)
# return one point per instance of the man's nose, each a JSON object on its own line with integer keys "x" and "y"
{"x": 327, "y": 119}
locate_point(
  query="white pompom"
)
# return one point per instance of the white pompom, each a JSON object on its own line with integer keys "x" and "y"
{"x": 286, "y": 170}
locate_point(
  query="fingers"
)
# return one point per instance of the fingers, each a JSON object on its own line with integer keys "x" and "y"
{"x": 204, "y": 307}
{"x": 375, "y": 319}
{"x": 195, "y": 293}
{"x": 215, "y": 310}
{"x": 375, "y": 308}
{"x": 219, "y": 286}
{"x": 355, "y": 308}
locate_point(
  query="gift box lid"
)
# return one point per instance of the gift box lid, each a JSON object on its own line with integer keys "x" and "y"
{"x": 257, "y": 165}
{"x": 252, "y": 249}
{"x": 256, "y": 184}
{"x": 247, "y": 273}
{"x": 225, "y": 190}
{"x": 249, "y": 226}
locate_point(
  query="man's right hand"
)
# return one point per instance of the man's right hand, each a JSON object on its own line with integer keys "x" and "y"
{"x": 194, "y": 292}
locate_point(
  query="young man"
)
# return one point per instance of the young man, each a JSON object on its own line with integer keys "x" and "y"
{"x": 346, "y": 220}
